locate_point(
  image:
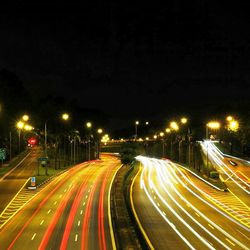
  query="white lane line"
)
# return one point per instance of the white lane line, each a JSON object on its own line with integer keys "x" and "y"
{"x": 83, "y": 203}
{"x": 55, "y": 202}
{"x": 49, "y": 211}
{"x": 86, "y": 196}
{"x": 33, "y": 237}
{"x": 164, "y": 213}
{"x": 60, "y": 196}
{"x": 210, "y": 226}
{"x": 41, "y": 222}
{"x": 88, "y": 190}
{"x": 76, "y": 237}
{"x": 79, "y": 222}
{"x": 81, "y": 212}
{"x": 197, "y": 214}
{"x": 158, "y": 204}
{"x": 65, "y": 190}
{"x": 230, "y": 242}
{"x": 243, "y": 234}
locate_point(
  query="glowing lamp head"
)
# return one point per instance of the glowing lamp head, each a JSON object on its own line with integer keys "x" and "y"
{"x": 161, "y": 134}
{"x": 184, "y": 120}
{"x": 214, "y": 125}
{"x": 229, "y": 118}
{"x": 233, "y": 126}
{"x": 20, "y": 125}
{"x": 65, "y": 116}
{"x": 99, "y": 131}
{"x": 168, "y": 130}
{"x": 174, "y": 126}
{"x": 137, "y": 123}
{"x": 89, "y": 124}
{"x": 25, "y": 118}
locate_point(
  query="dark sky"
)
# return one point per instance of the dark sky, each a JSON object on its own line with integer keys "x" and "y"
{"x": 130, "y": 61}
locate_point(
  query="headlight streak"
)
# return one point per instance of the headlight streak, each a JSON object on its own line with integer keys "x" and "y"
{"x": 177, "y": 215}
{"x": 212, "y": 150}
{"x": 165, "y": 218}
{"x": 206, "y": 202}
{"x": 161, "y": 176}
{"x": 170, "y": 166}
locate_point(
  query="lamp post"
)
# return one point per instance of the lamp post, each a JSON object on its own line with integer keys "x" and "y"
{"x": 19, "y": 126}
{"x": 99, "y": 131}
{"x": 89, "y": 126}
{"x": 136, "y": 124}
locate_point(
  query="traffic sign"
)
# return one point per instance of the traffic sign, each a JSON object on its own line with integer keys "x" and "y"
{"x": 2, "y": 154}
{"x": 33, "y": 181}
{"x": 43, "y": 159}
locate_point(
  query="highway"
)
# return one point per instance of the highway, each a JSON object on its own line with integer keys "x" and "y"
{"x": 237, "y": 178}
{"x": 175, "y": 210}
{"x": 72, "y": 212}
{"x": 14, "y": 180}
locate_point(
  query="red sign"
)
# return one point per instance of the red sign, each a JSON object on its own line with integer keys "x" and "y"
{"x": 32, "y": 141}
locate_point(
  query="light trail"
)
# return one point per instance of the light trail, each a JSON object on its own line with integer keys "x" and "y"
{"x": 216, "y": 155}
{"x": 167, "y": 178}
{"x": 57, "y": 215}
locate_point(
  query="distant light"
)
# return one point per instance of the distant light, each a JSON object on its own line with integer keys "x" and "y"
{"x": 140, "y": 139}
{"x": 174, "y": 126}
{"x": 155, "y": 136}
{"x": 213, "y": 125}
{"x": 146, "y": 123}
{"x": 89, "y": 124}
{"x": 229, "y": 118}
{"x": 65, "y": 116}
{"x": 27, "y": 127}
{"x": 184, "y": 120}
{"x": 161, "y": 134}
{"x": 99, "y": 131}
{"x": 25, "y": 118}
{"x": 233, "y": 126}
{"x": 20, "y": 125}
{"x": 147, "y": 138}
{"x": 137, "y": 122}
{"x": 168, "y": 130}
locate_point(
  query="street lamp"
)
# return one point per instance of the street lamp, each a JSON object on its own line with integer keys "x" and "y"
{"x": 25, "y": 118}
{"x": 89, "y": 126}
{"x": 19, "y": 126}
{"x": 174, "y": 126}
{"x": 184, "y": 120}
{"x": 214, "y": 125}
{"x": 136, "y": 124}
{"x": 65, "y": 116}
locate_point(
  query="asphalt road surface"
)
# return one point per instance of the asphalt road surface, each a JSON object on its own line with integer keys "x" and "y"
{"x": 72, "y": 212}
{"x": 174, "y": 213}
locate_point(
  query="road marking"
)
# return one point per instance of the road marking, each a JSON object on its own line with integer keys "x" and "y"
{"x": 79, "y": 222}
{"x": 164, "y": 213}
{"x": 83, "y": 203}
{"x": 211, "y": 226}
{"x": 41, "y": 222}
{"x": 230, "y": 242}
{"x": 65, "y": 190}
{"x": 158, "y": 204}
{"x": 243, "y": 234}
{"x": 86, "y": 196}
{"x": 88, "y": 190}
{"x": 188, "y": 205}
{"x": 154, "y": 197}
{"x": 76, "y": 237}
{"x": 33, "y": 237}
{"x": 197, "y": 214}
{"x": 49, "y": 211}
{"x": 55, "y": 202}
{"x": 60, "y": 196}
{"x": 81, "y": 212}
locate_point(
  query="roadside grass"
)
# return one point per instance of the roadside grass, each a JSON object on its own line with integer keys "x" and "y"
{"x": 51, "y": 172}
{"x": 6, "y": 168}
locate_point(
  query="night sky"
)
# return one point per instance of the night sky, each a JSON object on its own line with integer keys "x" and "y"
{"x": 131, "y": 61}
